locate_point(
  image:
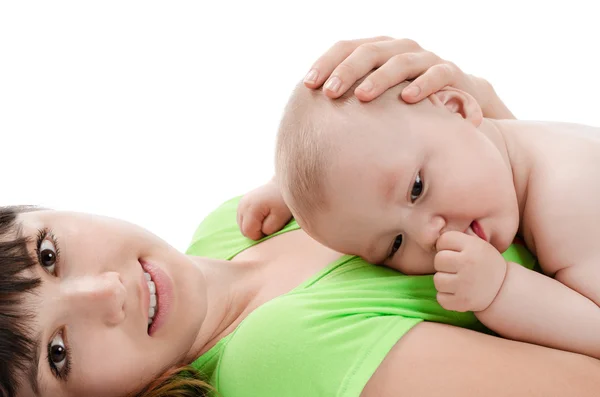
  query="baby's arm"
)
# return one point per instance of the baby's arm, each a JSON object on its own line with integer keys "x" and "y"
{"x": 531, "y": 307}
{"x": 513, "y": 301}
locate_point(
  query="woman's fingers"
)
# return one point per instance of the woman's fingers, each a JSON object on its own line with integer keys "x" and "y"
{"x": 325, "y": 65}
{"x": 397, "y": 69}
{"x": 395, "y": 61}
{"x": 364, "y": 59}
{"x": 434, "y": 79}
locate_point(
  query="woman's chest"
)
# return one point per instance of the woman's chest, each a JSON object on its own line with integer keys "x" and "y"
{"x": 291, "y": 259}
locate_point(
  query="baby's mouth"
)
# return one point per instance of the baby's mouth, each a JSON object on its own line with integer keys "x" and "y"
{"x": 476, "y": 228}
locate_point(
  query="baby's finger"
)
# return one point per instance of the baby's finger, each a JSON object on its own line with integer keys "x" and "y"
{"x": 446, "y": 261}
{"x": 447, "y": 301}
{"x": 452, "y": 241}
{"x": 445, "y": 282}
{"x": 397, "y": 69}
{"x": 433, "y": 80}
{"x": 241, "y": 210}
{"x": 240, "y": 221}
{"x": 239, "y": 218}
{"x": 274, "y": 222}
{"x": 251, "y": 225}
{"x": 324, "y": 66}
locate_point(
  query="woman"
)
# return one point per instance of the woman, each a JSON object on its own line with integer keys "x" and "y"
{"x": 98, "y": 307}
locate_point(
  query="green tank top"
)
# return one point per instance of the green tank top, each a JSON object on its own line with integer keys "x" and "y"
{"x": 327, "y": 336}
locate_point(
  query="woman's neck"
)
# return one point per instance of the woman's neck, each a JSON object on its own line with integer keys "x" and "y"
{"x": 231, "y": 290}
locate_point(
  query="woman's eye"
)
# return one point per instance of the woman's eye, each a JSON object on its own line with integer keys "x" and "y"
{"x": 417, "y": 189}
{"x": 396, "y": 245}
{"x": 57, "y": 354}
{"x": 47, "y": 256}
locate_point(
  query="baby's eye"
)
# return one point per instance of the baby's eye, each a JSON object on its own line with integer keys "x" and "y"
{"x": 396, "y": 245}
{"x": 417, "y": 189}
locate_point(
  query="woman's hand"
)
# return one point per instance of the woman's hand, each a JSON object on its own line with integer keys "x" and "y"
{"x": 396, "y": 60}
{"x": 262, "y": 211}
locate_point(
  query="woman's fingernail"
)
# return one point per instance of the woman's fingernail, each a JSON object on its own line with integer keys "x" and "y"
{"x": 311, "y": 76}
{"x": 366, "y": 86}
{"x": 412, "y": 91}
{"x": 333, "y": 84}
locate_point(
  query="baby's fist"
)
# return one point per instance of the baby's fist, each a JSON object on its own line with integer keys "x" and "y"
{"x": 262, "y": 212}
{"x": 470, "y": 272}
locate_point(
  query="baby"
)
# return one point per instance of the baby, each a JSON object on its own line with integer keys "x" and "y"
{"x": 435, "y": 188}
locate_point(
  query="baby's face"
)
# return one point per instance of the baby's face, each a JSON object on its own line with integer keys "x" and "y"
{"x": 393, "y": 192}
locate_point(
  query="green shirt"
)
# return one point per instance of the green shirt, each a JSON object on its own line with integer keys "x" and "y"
{"x": 328, "y": 335}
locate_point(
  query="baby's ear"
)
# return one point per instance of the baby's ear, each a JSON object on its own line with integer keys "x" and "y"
{"x": 458, "y": 102}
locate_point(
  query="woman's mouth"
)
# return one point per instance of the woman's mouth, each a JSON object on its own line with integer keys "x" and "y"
{"x": 160, "y": 296}
{"x": 153, "y": 304}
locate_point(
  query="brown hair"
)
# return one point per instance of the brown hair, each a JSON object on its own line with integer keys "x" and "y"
{"x": 17, "y": 347}
{"x": 184, "y": 381}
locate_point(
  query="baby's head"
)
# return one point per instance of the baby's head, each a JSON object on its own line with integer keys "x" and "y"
{"x": 384, "y": 179}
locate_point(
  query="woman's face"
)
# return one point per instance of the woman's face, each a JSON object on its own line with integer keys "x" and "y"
{"x": 92, "y": 310}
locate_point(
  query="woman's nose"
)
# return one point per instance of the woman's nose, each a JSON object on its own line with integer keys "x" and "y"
{"x": 100, "y": 297}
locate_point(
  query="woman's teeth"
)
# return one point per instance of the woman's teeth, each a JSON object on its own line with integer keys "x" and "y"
{"x": 153, "y": 302}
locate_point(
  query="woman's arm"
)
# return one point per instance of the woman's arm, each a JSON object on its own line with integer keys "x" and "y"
{"x": 494, "y": 108}
{"x": 397, "y": 60}
{"x": 434, "y": 360}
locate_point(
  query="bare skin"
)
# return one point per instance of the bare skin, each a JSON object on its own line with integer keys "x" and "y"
{"x": 560, "y": 224}
{"x": 549, "y": 169}
{"x": 434, "y": 360}
{"x": 92, "y": 297}
{"x": 436, "y": 188}
{"x": 93, "y": 303}
{"x": 100, "y": 270}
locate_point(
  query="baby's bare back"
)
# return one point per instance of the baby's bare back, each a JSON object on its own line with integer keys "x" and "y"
{"x": 561, "y": 219}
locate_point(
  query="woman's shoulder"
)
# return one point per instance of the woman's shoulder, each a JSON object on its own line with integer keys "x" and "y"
{"x": 329, "y": 336}
{"x": 288, "y": 348}
{"x": 219, "y": 236}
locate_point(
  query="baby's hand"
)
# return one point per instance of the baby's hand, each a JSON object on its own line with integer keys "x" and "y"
{"x": 262, "y": 211}
{"x": 470, "y": 272}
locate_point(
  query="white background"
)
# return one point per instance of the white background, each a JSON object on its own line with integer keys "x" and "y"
{"x": 156, "y": 112}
